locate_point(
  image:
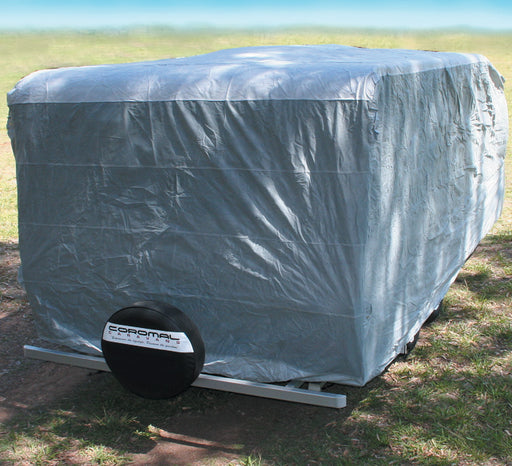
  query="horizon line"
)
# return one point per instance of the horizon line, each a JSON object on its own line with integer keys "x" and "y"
{"x": 246, "y": 27}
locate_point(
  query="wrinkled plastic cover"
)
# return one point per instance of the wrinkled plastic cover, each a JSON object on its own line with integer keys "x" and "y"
{"x": 306, "y": 206}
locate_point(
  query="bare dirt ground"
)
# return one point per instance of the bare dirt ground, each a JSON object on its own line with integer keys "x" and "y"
{"x": 24, "y": 384}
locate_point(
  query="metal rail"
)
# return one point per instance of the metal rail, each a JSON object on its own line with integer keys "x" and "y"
{"x": 290, "y": 392}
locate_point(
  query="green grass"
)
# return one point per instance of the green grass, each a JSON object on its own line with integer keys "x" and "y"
{"x": 448, "y": 402}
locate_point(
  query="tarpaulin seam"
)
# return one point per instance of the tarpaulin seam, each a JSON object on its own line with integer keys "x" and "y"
{"x": 210, "y": 298}
{"x": 183, "y": 232}
{"x": 194, "y": 100}
{"x": 186, "y": 167}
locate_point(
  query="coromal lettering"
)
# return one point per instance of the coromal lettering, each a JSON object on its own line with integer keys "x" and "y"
{"x": 141, "y": 332}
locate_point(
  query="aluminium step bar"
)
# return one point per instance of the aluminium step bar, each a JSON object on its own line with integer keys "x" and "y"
{"x": 290, "y": 392}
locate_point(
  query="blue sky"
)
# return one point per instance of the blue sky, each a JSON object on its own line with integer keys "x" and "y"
{"x": 489, "y": 14}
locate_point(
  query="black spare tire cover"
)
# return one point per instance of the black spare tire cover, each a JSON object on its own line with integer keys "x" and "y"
{"x": 153, "y": 349}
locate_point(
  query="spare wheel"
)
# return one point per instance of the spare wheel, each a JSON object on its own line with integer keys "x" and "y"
{"x": 153, "y": 349}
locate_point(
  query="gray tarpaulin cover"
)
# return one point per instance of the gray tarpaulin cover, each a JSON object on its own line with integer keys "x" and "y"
{"x": 306, "y": 206}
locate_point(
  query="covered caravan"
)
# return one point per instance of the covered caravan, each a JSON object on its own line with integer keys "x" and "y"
{"x": 307, "y": 207}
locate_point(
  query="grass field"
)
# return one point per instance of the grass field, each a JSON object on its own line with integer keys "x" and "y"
{"x": 449, "y": 402}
